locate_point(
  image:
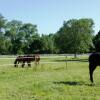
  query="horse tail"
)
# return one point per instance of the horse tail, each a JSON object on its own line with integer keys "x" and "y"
{"x": 91, "y": 70}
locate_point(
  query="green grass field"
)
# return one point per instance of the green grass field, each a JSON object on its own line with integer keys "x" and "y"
{"x": 48, "y": 81}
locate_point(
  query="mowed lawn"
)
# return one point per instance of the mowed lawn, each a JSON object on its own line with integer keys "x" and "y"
{"x": 48, "y": 81}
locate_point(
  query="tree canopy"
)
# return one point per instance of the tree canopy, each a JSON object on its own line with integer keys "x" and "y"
{"x": 74, "y": 36}
{"x": 96, "y": 41}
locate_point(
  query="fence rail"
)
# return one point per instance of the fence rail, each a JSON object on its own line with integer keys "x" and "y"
{"x": 55, "y": 59}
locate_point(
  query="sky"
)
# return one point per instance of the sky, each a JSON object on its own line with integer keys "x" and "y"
{"x": 49, "y": 15}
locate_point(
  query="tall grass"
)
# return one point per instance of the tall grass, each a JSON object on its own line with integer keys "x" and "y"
{"x": 48, "y": 81}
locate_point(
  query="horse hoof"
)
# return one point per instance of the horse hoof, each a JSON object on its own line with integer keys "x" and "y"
{"x": 92, "y": 84}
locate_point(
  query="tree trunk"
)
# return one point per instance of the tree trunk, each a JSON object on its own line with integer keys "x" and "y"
{"x": 75, "y": 55}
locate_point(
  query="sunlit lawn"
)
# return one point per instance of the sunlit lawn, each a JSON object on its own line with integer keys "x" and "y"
{"x": 48, "y": 81}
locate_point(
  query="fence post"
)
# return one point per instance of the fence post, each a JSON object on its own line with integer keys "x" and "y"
{"x": 66, "y": 61}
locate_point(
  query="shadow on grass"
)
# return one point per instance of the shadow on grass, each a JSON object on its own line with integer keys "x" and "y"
{"x": 73, "y": 83}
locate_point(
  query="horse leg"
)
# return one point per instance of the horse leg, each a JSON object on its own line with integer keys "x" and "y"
{"x": 36, "y": 63}
{"x": 15, "y": 63}
{"x": 29, "y": 64}
{"x": 23, "y": 64}
{"x": 91, "y": 69}
{"x": 18, "y": 63}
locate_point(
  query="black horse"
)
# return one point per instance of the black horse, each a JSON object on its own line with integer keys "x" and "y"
{"x": 94, "y": 61}
{"x": 26, "y": 59}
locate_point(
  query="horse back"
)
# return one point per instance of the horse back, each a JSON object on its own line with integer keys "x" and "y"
{"x": 26, "y": 58}
{"x": 94, "y": 58}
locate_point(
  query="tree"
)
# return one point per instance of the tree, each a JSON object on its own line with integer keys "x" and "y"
{"x": 35, "y": 45}
{"x": 21, "y": 36}
{"x": 96, "y": 42}
{"x": 12, "y": 35}
{"x": 16, "y": 37}
{"x": 48, "y": 44}
{"x": 3, "y": 42}
{"x": 2, "y": 23}
{"x": 75, "y": 36}
{"x": 30, "y": 34}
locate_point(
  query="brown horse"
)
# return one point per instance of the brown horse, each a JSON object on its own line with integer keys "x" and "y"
{"x": 94, "y": 61}
{"x": 26, "y": 59}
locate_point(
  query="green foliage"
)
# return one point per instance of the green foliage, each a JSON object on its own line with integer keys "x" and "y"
{"x": 20, "y": 36}
{"x": 36, "y": 44}
{"x": 96, "y": 41}
{"x": 2, "y": 22}
{"x": 75, "y": 36}
{"x": 48, "y": 44}
{"x": 29, "y": 34}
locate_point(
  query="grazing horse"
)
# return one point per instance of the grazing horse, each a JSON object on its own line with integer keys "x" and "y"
{"x": 26, "y": 59}
{"x": 94, "y": 61}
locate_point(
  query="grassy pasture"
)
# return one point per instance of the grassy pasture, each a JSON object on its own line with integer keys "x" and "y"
{"x": 49, "y": 81}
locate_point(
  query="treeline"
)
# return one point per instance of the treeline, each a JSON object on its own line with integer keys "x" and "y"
{"x": 74, "y": 36}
